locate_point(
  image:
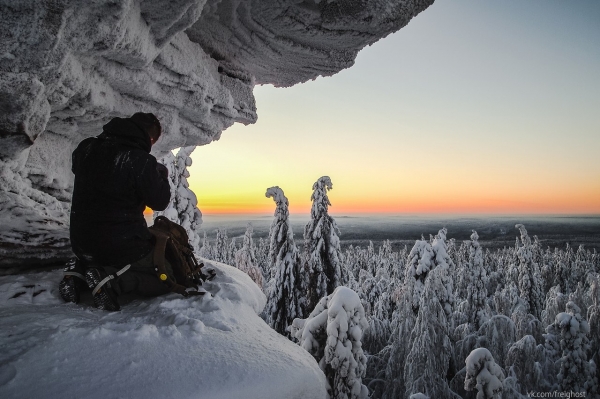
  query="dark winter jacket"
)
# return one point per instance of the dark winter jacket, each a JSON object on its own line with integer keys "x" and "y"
{"x": 115, "y": 179}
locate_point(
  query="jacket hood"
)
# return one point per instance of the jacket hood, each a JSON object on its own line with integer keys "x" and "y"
{"x": 127, "y": 132}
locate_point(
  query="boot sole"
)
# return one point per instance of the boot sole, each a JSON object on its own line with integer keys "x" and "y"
{"x": 103, "y": 299}
{"x": 68, "y": 289}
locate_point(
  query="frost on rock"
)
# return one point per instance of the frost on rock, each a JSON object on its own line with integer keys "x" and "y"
{"x": 332, "y": 334}
{"x": 68, "y": 67}
{"x": 183, "y": 208}
{"x": 285, "y": 294}
{"x": 322, "y": 246}
{"x": 484, "y": 375}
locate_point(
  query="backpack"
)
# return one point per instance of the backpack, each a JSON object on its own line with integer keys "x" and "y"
{"x": 172, "y": 243}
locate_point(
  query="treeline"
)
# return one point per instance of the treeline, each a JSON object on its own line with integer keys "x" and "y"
{"x": 441, "y": 320}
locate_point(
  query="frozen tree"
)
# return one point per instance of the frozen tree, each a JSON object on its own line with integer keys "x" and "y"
{"x": 484, "y": 375}
{"x": 232, "y": 248}
{"x": 206, "y": 249}
{"x": 555, "y": 303}
{"x": 322, "y": 246}
{"x": 183, "y": 208}
{"x": 332, "y": 334}
{"x": 522, "y": 360}
{"x": 527, "y": 324}
{"x": 286, "y": 296}
{"x": 262, "y": 258}
{"x": 477, "y": 310}
{"x": 507, "y": 299}
{"x": 594, "y": 322}
{"x": 245, "y": 258}
{"x": 575, "y": 372}
{"x": 530, "y": 280}
{"x": 420, "y": 262}
{"x": 423, "y": 372}
{"x": 442, "y": 260}
{"x": 403, "y": 322}
{"x": 497, "y": 335}
{"x": 418, "y": 265}
{"x": 221, "y": 250}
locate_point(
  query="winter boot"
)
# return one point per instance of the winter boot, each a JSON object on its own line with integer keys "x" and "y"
{"x": 73, "y": 281}
{"x": 105, "y": 297}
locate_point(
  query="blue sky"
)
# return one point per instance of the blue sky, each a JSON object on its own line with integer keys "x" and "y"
{"x": 474, "y": 107}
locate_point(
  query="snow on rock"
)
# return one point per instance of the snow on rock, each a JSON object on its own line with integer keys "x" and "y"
{"x": 67, "y": 67}
{"x": 213, "y": 346}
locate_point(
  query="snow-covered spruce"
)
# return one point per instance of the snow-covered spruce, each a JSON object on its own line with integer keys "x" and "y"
{"x": 522, "y": 363}
{"x": 484, "y": 375}
{"x": 245, "y": 258}
{"x": 420, "y": 262}
{"x": 322, "y": 246}
{"x": 442, "y": 260}
{"x": 530, "y": 279}
{"x": 332, "y": 334}
{"x": 477, "y": 310}
{"x": 221, "y": 247}
{"x": 423, "y": 372}
{"x": 286, "y": 294}
{"x": 576, "y": 373}
{"x": 183, "y": 208}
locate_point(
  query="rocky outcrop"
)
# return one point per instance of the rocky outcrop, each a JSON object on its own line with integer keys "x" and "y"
{"x": 68, "y": 66}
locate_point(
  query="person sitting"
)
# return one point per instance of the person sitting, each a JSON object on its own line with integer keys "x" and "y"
{"x": 116, "y": 178}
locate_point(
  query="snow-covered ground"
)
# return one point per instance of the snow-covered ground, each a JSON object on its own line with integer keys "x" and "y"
{"x": 213, "y": 346}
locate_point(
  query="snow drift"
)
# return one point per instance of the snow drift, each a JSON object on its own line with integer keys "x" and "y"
{"x": 68, "y": 66}
{"x": 213, "y": 346}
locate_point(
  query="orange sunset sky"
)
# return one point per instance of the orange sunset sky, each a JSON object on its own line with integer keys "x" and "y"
{"x": 474, "y": 107}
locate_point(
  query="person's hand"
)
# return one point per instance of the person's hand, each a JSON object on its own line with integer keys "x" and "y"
{"x": 162, "y": 171}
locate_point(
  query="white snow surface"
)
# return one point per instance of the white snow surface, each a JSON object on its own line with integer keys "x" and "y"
{"x": 213, "y": 346}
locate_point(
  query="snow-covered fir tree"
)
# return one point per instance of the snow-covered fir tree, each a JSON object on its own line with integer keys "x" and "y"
{"x": 183, "y": 208}
{"x": 530, "y": 279}
{"x": 576, "y": 373}
{"x": 221, "y": 248}
{"x": 420, "y": 262}
{"x": 423, "y": 372}
{"x": 478, "y": 311}
{"x": 262, "y": 258}
{"x": 322, "y": 246}
{"x": 332, "y": 334}
{"x": 524, "y": 361}
{"x": 484, "y": 375}
{"x": 286, "y": 292}
{"x": 206, "y": 249}
{"x": 245, "y": 258}
{"x": 441, "y": 259}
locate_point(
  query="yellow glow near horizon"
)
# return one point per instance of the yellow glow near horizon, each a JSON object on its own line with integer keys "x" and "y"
{"x": 442, "y": 117}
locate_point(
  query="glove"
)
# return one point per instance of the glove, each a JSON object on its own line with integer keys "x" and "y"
{"x": 162, "y": 171}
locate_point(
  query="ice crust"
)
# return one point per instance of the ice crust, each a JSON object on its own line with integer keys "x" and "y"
{"x": 67, "y": 67}
{"x": 213, "y": 347}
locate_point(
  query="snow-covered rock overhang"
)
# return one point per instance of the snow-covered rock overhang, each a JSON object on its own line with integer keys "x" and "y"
{"x": 69, "y": 66}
